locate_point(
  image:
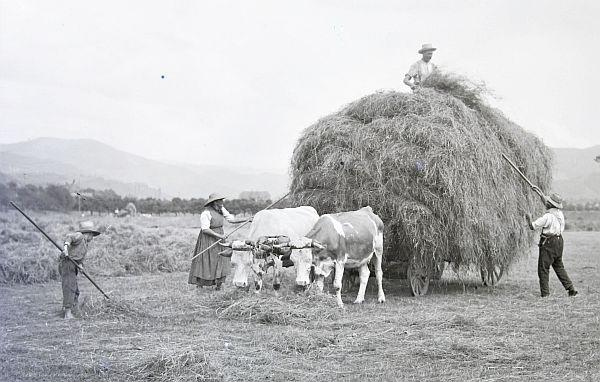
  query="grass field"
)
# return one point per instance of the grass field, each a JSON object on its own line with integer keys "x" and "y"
{"x": 158, "y": 328}
{"x": 582, "y": 220}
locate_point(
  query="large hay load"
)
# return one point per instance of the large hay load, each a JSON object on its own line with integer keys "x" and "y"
{"x": 430, "y": 164}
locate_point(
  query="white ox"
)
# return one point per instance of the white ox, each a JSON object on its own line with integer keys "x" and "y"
{"x": 293, "y": 223}
{"x": 343, "y": 240}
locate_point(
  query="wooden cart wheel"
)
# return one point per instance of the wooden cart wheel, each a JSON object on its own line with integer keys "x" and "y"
{"x": 418, "y": 278}
{"x": 492, "y": 275}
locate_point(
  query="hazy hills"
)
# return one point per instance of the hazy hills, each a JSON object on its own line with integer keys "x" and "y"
{"x": 576, "y": 173}
{"x": 96, "y": 165}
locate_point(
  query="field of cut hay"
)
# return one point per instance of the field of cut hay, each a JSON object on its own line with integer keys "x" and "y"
{"x": 127, "y": 246}
{"x": 430, "y": 164}
{"x": 156, "y": 327}
{"x": 582, "y": 220}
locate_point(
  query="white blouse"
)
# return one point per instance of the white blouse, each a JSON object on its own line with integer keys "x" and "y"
{"x": 205, "y": 217}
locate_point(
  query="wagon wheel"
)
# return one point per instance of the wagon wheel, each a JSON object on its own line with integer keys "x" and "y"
{"x": 491, "y": 276}
{"x": 418, "y": 277}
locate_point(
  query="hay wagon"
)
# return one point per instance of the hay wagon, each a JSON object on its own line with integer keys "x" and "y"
{"x": 430, "y": 165}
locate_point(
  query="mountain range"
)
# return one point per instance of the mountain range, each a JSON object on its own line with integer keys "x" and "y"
{"x": 86, "y": 163}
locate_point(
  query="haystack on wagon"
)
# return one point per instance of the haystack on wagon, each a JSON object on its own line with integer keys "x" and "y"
{"x": 430, "y": 164}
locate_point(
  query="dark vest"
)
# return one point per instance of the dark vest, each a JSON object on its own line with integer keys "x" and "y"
{"x": 216, "y": 218}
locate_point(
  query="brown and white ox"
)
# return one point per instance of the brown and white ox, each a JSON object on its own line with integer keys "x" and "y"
{"x": 247, "y": 262}
{"x": 339, "y": 241}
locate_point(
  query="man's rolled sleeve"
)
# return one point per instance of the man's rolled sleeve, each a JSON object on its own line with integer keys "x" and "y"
{"x": 541, "y": 222}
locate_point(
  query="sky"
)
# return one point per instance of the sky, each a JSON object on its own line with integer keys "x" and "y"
{"x": 235, "y": 83}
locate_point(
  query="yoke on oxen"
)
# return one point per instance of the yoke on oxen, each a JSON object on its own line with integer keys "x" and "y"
{"x": 255, "y": 258}
{"x": 269, "y": 232}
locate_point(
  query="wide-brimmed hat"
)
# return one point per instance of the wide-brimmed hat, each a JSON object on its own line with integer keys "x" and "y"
{"x": 88, "y": 227}
{"x": 213, "y": 197}
{"x": 427, "y": 48}
{"x": 555, "y": 200}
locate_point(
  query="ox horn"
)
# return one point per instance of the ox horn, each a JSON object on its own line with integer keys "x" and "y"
{"x": 227, "y": 252}
{"x": 226, "y": 244}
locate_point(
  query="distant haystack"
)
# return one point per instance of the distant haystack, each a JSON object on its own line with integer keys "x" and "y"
{"x": 131, "y": 208}
{"x": 430, "y": 164}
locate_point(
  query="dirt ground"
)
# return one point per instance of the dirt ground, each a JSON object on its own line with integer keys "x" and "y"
{"x": 162, "y": 329}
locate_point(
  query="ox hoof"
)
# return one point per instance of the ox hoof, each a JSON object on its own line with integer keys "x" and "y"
{"x": 357, "y": 301}
{"x": 276, "y": 286}
{"x": 381, "y": 300}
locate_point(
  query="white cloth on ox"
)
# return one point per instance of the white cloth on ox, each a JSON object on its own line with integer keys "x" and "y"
{"x": 291, "y": 222}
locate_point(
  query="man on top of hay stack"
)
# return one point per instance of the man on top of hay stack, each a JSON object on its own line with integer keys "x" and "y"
{"x": 551, "y": 243}
{"x": 76, "y": 247}
{"x": 421, "y": 69}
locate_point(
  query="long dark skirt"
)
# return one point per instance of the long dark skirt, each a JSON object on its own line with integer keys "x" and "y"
{"x": 209, "y": 268}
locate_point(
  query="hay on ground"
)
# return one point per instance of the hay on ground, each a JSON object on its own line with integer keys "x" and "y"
{"x": 94, "y": 307}
{"x": 287, "y": 309}
{"x": 430, "y": 164}
{"x": 189, "y": 365}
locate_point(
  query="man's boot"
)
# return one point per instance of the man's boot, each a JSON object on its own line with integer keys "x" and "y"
{"x": 68, "y": 314}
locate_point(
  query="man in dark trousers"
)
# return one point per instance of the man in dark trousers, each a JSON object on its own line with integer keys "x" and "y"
{"x": 552, "y": 224}
{"x": 75, "y": 247}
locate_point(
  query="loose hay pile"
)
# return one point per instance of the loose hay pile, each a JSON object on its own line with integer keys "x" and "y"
{"x": 190, "y": 365}
{"x": 289, "y": 309}
{"x": 114, "y": 308}
{"x": 430, "y": 164}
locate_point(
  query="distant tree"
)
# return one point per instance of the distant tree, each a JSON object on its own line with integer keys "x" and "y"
{"x": 257, "y": 196}
{"x": 59, "y": 198}
{"x": 196, "y": 205}
{"x": 177, "y": 205}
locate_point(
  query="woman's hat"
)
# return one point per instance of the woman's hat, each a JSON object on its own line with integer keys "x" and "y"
{"x": 427, "y": 48}
{"x": 88, "y": 227}
{"x": 555, "y": 200}
{"x": 213, "y": 197}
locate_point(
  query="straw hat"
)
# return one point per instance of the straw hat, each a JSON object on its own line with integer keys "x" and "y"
{"x": 213, "y": 197}
{"x": 88, "y": 227}
{"x": 427, "y": 48}
{"x": 555, "y": 200}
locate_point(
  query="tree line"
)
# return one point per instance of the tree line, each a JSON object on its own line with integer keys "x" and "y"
{"x": 59, "y": 198}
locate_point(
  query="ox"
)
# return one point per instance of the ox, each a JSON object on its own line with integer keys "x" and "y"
{"x": 269, "y": 228}
{"x": 343, "y": 240}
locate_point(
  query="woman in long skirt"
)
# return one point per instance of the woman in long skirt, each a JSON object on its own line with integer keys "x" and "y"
{"x": 211, "y": 268}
